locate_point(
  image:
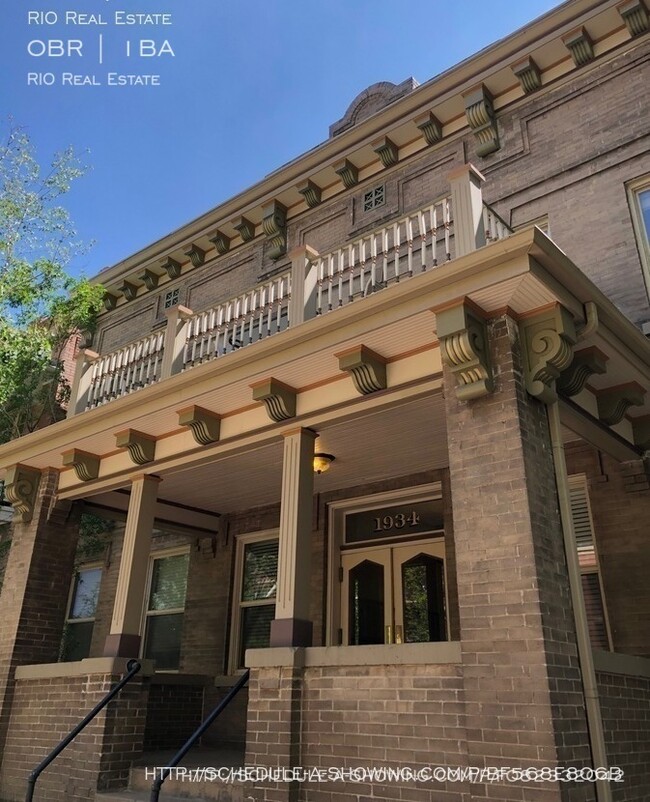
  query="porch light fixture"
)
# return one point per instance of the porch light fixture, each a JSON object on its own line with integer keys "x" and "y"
{"x": 322, "y": 462}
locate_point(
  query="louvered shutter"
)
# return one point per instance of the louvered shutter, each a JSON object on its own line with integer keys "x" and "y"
{"x": 587, "y": 558}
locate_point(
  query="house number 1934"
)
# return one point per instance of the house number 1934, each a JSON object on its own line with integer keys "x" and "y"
{"x": 398, "y": 521}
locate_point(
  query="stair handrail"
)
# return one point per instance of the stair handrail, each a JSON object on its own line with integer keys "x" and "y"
{"x": 207, "y": 722}
{"x": 132, "y": 667}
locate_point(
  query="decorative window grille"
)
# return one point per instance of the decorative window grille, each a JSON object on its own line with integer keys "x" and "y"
{"x": 171, "y": 298}
{"x": 374, "y": 198}
{"x": 588, "y": 561}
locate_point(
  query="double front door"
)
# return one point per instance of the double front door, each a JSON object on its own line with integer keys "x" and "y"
{"x": 393, "y": 594}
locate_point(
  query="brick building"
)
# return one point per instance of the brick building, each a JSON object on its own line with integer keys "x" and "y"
{"x": 374, "y": 428}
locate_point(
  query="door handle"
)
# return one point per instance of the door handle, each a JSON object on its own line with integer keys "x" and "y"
{"x": 389, "y": 634}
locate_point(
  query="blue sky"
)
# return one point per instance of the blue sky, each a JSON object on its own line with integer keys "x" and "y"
{"x": 251, "y": 86}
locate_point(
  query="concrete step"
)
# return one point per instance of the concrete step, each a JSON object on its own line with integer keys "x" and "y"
{"x": 189, "y": 783}
{"x": 225, "y": 793}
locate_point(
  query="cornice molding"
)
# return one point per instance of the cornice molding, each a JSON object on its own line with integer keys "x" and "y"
{"x": 278, "y": 398}
{"x": 204, "y": 424}
{"x": 586, "y": 363}
{"x": 85, "y": 464}
{"x": 141, "y": 446}
{"x": 613, "y": 402}
{"x": 21, "y": 488}
{"x": 548, "y": 340}
{"x": 464, "y": 346}
{"x": 366, "y": 367}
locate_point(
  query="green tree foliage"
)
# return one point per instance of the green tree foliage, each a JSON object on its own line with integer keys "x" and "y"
{"x": 40, "y": 304}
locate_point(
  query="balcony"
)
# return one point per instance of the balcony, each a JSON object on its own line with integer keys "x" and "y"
{"x": 316, "y": 285}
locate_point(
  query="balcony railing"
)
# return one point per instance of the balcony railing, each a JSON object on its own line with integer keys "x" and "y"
{"x": 316, "y": 285}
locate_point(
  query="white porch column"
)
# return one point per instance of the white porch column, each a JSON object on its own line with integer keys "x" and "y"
{"x": 292, "y": 626}
{"x": 124, "y": 638}
{"x": 467, "y": 208}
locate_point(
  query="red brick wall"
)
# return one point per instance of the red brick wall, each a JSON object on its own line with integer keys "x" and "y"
{"x": 174, "y": 711}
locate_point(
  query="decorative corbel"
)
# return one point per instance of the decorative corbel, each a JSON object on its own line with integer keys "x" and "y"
{"x": 196, "y": 255}
{"x": 585, "y": 363}
{"x": 245, "y": 227}
{"x": 129, "y": 290}
{"x": 347, "y": 172}
{"x": 278, "y": 398}
{"x": 464, "y": 346}
{"x": 613, "y": 402}
{"x": 141, "y": 446}
{"x": 386, "y": 149}
{"x": 430, "y": 126}
{"x": 548, "y": 340}
{"x": 274, "y": 225}
{"x": 479, "y": 109}
{"x": 579, "y": 44}
{"x": 21, "y": 488}
{"x": 109, "y": 300}
{"x": 528, "y": 75}
{"x": 366, "y": 368}
{"x": 86, "y": 465}
{"x": 172, "y": 267}
{"x": 205, "y": 425}
{"x": 635, "y": 16}
{"x": 310, "y": 191}
{"x": 150, "y": 279}
{"x": 221, "y": 242}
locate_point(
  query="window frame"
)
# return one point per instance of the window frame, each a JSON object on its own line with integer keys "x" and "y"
{"x": 96, "y": 565}
{"x": 237, "y": 605}
{"x": 634, "y": 189}
{"x": 146, "y": 613}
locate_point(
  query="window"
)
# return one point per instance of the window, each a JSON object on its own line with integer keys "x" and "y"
{"x": 165, "y": 610}
{"x": 588, "y": 560}
{"x": 638, "y": 193}
{"x": 81, "y": 614}
{"x": 255, "y": 589}
{"x": 373, "y": 198}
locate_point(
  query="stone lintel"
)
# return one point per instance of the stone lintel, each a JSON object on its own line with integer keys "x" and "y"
{"x": 586, "y": 363}
{"x": 141, "y": 446}
{"x": 613, "y": 402}
{"x": 196, "y": 255}
{"x": 204, "y": 424}
{"x": 86, "y": 465}
{"x": 278, "y": 398}
{"x": 149, "y": 279}
{"x": 387, "y": 151}
{"x": 479, "y": 110}
{"x": 347, "y": 172}
{"x": 245, "y": 228}
{"x": 430, "y": 126}
{"x": 366, "y": 367}
{"x": 221, "y": 242}
{"x": 579, "y": 44}
{"x": 635, "y": 16}
{"x": 464, "y": 346}
{"x": 274, "y": 225}
{"x": 310, "y": 191}
{"x": 172, "y": 267}
{"x": 528, "y": 74}
{"x": 548, "y": 340}
{"x": 129, "y": 290}
{"x": 21, "y": 488}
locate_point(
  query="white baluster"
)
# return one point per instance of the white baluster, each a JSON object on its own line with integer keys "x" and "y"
{"x": 409, "y": 237}
{"x": 445, "y": 206}
{"x": 396, "y": 244}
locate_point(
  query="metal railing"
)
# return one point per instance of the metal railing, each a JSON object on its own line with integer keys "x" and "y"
{"x": 227, "y": 699}
{"x": 133, "y": 666}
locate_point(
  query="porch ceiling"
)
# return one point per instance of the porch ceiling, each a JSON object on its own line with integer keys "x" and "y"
{"x": 404, "y": 439}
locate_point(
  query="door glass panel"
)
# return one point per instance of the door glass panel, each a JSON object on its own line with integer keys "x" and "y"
{"x": 423, "y": 599}
{"x": 366, "y": 604}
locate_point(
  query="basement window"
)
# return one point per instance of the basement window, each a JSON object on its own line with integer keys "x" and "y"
{"x": 374, "y": 198}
